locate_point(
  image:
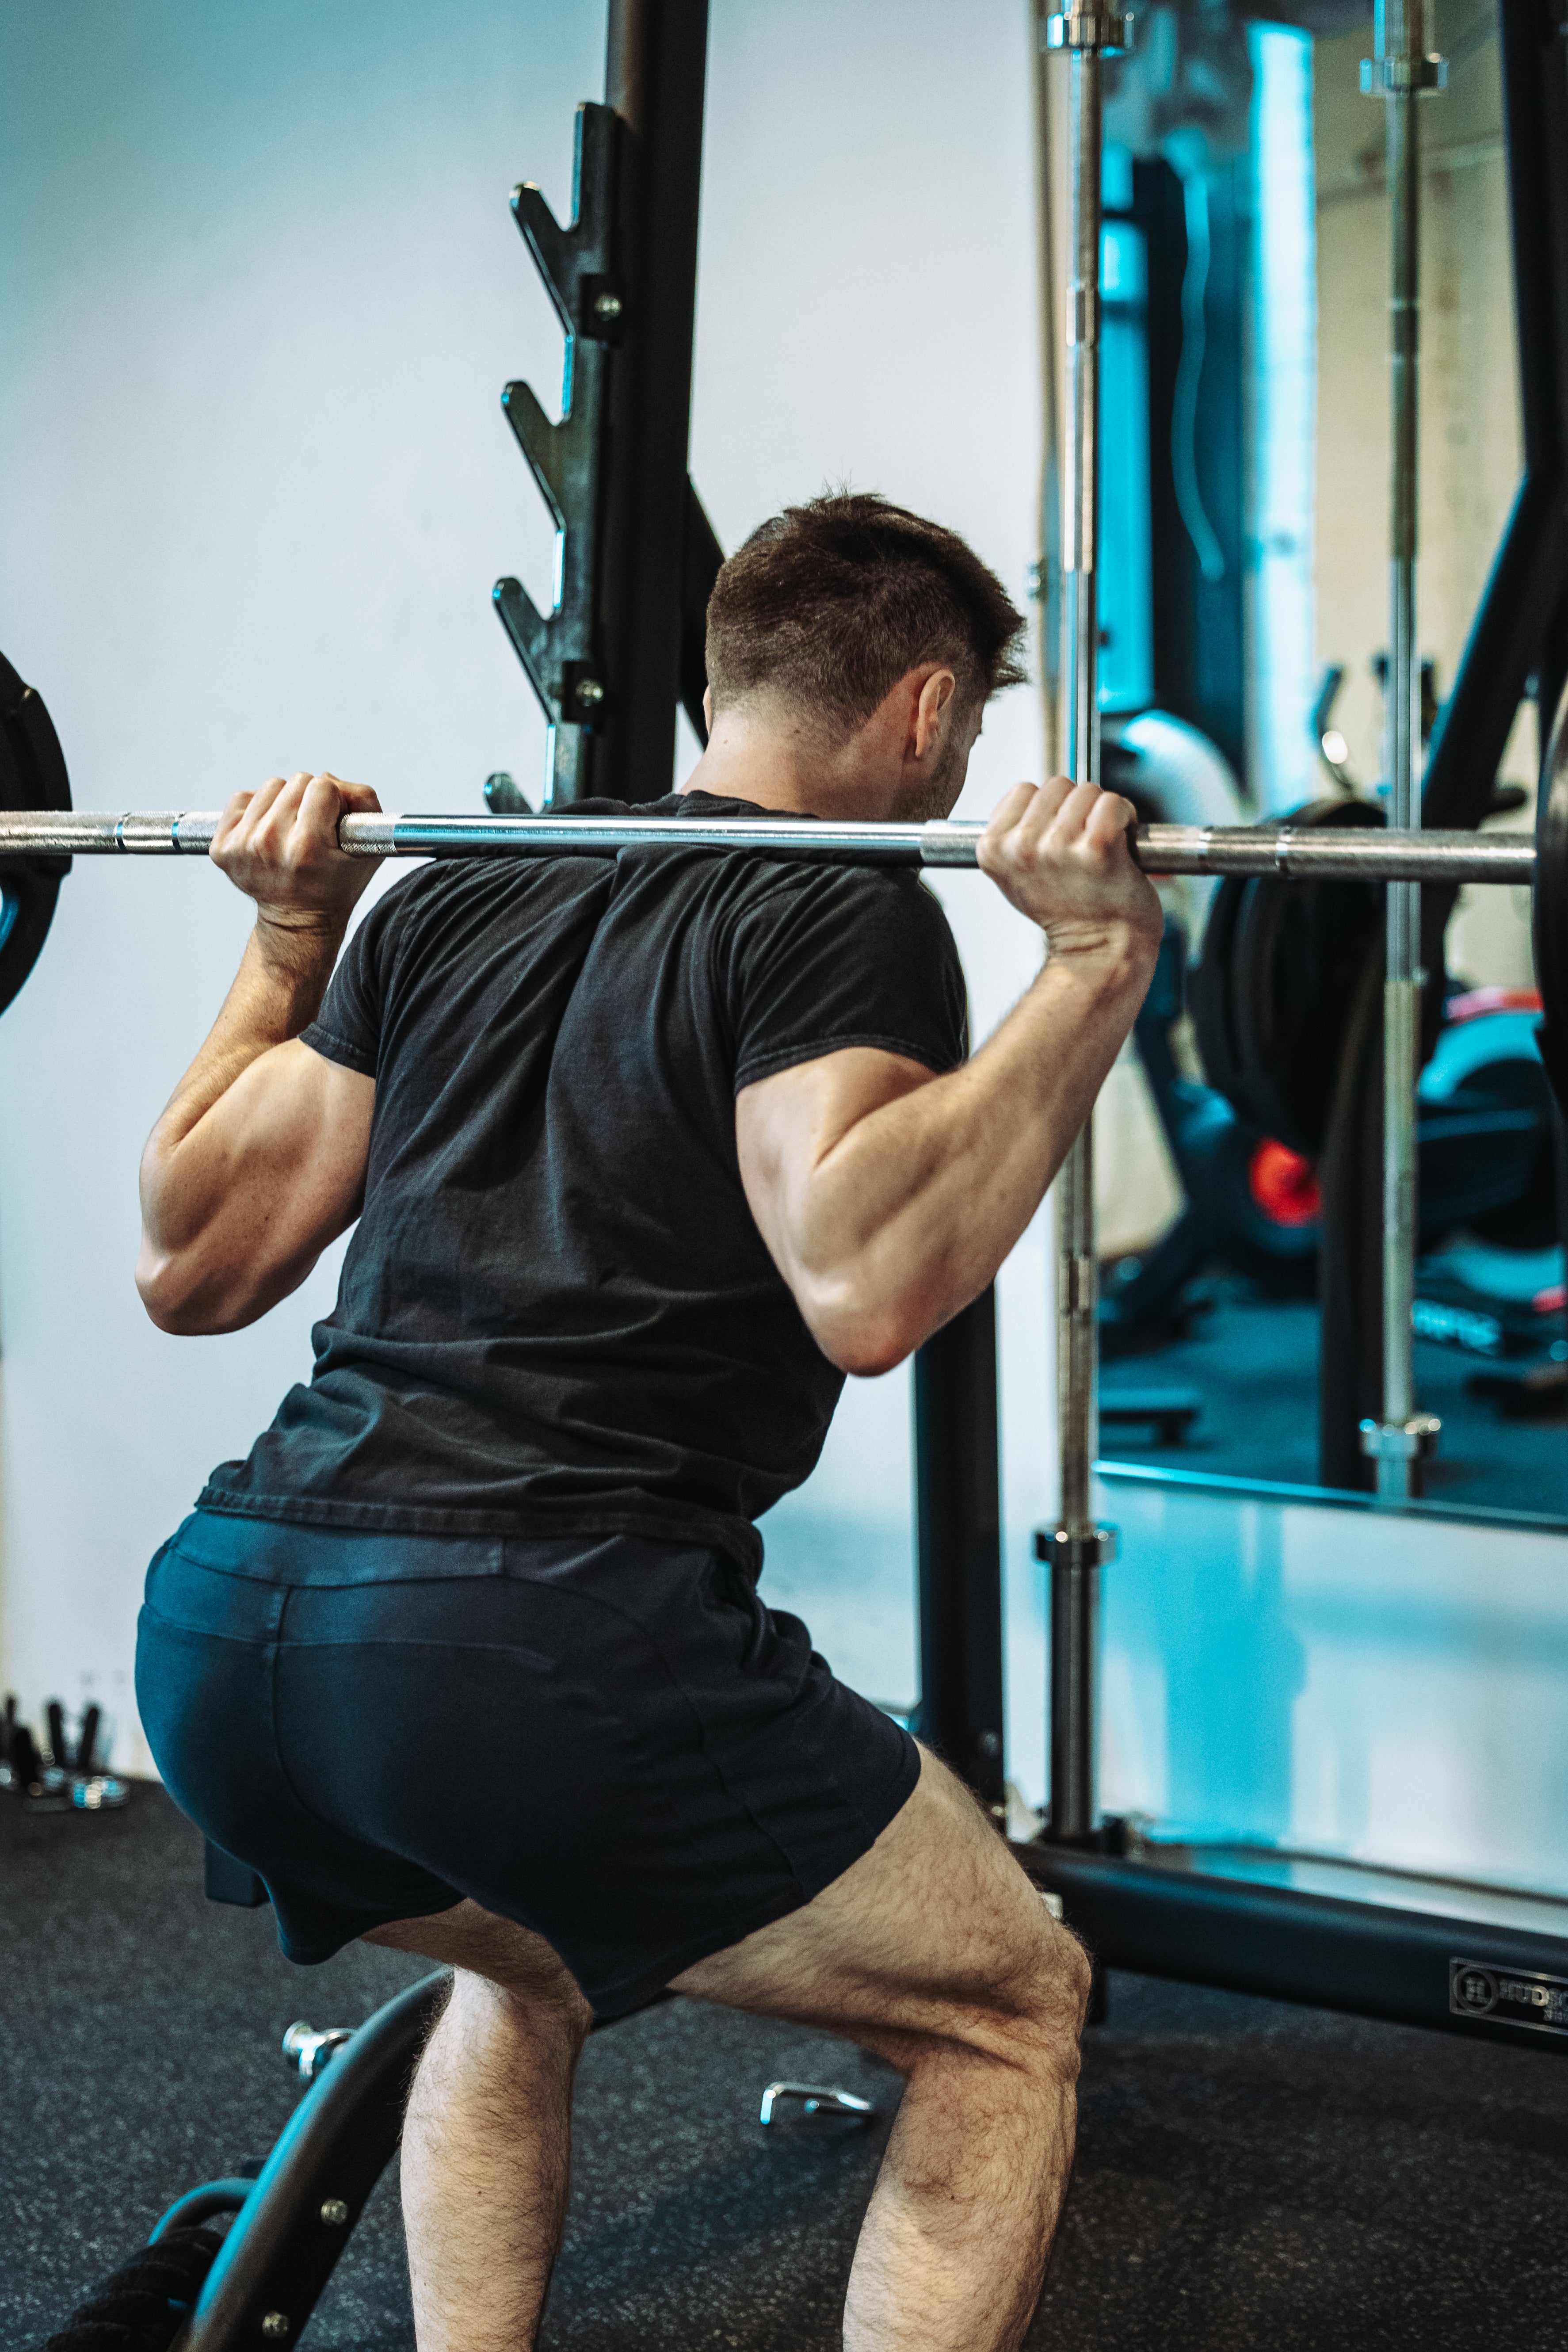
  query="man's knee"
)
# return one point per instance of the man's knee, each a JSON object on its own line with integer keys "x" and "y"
{"x": 1026, "y": 2013}
{"x": 1042, "y": 1989}
{"x": 548, "y": 2011}
{"x": 1062, "y": 1978}
{"x": 1023, "y": 2011}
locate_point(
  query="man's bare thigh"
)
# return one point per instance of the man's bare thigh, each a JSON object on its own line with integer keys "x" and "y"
{"x": 935, "y": 1930}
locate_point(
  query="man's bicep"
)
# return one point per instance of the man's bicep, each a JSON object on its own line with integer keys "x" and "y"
{"x": 267, "y": 1178}
{"x": 787, "y": 1125}
{"x": 302, "y": 1140}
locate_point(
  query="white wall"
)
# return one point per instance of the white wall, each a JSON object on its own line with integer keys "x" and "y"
{"x": 261, "y": 291}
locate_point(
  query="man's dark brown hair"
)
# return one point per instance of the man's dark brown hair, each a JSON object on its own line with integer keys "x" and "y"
{"x": 832, "y": 603}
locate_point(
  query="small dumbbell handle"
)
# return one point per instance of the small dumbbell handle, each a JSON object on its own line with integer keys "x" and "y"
{"x": 309, "y": 2048}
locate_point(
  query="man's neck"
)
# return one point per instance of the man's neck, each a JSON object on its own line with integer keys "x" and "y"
{"x": 772, "y": 759}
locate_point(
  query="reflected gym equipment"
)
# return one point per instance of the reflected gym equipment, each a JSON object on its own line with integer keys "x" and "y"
{"x": 1517, "y": 646}
{"x": 1250, "y": 1204}
{"x": 1401, "y": 74}
{"x": 1273, "y": 991}
{"x": 1281, "y": 1942}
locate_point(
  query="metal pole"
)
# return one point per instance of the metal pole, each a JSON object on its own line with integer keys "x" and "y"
{"x": 635, "y": 556}
{"x": 1076, "y": 1547}
{"x": 1399, "y": 74}
{"x": 959, "y": 1550}
{"x": 655, "y": 73}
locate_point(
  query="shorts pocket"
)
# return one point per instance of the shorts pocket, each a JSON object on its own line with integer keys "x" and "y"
{"x": 204, "y": 1600}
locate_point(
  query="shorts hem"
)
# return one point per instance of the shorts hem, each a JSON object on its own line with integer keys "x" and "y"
{"x": 625, "y": 1994}
{"x": 314, "y": 1951}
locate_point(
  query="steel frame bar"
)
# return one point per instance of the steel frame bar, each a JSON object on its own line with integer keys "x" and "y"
{"x": 1077, "y": 1546}
{"x": 635, "y": 555}
{"x": 958, "y": 1550}
{"x": 1288, "y": 851}
{"x": 654, "y": 531}
{"x": 1400, "y": 73}
{"x": 1325, "y": 1951}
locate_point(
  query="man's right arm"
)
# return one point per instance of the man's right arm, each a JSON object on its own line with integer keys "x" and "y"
{"x": 887, "y": 1196}
{"x": 259, "y": 1160}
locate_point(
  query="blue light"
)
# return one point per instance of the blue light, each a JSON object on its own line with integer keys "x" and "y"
{"x": 1126, "y": 584}
{"x": 1281, "y": 657}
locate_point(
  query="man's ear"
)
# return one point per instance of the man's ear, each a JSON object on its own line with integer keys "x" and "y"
{"x": 934, "y": 707}
{"x": 708, "y": 709}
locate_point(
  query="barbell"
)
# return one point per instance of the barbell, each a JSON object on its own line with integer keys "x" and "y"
{"x": 40, "y": 831}
{"x": 1289, "y": 852}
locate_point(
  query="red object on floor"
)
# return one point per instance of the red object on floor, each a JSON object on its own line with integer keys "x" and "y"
{"x": 1490, "y": 999}
{"x": 1284, "y": 1185}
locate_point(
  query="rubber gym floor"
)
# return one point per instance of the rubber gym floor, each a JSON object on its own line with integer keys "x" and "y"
{"x": 1247, "y": 2175}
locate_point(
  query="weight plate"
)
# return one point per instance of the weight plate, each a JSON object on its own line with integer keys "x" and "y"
{"x": 32, "y": 776}
{"x": 1280, "y": 965}
{"x": 1549, "y": 917}
{"x": 1208, "y": 990}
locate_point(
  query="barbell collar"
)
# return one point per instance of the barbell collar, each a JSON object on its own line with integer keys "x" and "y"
{"x": 1290, "y": 853}
{"x": 1400, "y": 1440}
{"x": 1090, "y": 28}
{"x": 1077, "y": 1550}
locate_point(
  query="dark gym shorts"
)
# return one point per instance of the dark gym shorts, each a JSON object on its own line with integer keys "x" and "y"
{"x": 608, "y": 1739}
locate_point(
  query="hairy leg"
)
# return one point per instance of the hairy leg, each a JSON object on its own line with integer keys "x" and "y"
{"x": 487, "y": 2139}
{"x": 935, "y": 1951}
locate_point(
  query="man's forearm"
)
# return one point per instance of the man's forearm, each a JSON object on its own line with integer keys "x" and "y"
{"x": 277, "y": 993}
{"x": 907, "y": 1215}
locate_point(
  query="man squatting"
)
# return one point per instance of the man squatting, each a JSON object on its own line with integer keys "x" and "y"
{"x": 646, "y": 1155}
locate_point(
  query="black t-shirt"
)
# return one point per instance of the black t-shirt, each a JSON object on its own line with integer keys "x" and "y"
{"x": 556, "y": 1312}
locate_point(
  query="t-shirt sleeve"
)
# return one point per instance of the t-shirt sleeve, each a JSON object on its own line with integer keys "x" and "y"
{"x": 841, "y": 957}
{"x": 348, "y": 1027}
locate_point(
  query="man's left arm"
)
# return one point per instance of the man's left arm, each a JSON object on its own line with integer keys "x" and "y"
{"x": 258, "y": 1162}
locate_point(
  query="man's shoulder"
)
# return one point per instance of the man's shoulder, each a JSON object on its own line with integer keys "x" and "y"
{"x": 758, "y": 892}
{"x": 895, "y": 895}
